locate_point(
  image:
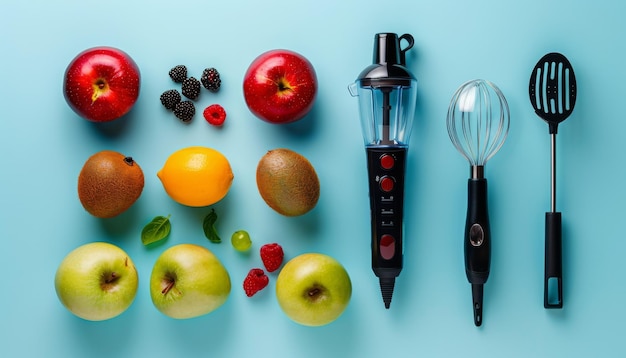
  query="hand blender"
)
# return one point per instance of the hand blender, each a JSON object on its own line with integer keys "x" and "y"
{"x": 387, "y": 96}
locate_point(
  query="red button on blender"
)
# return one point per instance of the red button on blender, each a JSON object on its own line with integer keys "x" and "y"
{"x": 387, "y": 161}
{"x": 387, "y": 246}
{"x": 386, "y": 184}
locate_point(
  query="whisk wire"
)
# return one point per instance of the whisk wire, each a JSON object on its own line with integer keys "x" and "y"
{"x": 483, "y": 121}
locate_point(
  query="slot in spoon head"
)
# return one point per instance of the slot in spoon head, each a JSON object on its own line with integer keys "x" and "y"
{"x": 552, "y": 89}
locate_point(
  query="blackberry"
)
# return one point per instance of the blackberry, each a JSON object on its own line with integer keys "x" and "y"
{"x": 185, "y": 111}
{"x": 211, "y": 79}
{"x": 170, "y": 98}
{"x": 191, "y": 88}
{"x": 178, "y": 73}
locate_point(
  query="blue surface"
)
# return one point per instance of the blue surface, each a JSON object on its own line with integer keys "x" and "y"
{"x": 44, "y": 144}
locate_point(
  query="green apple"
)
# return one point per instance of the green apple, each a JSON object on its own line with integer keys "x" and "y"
{"x": 313, "y": 289}
{"x": 188, "y": 281}
{"x": 96, "y": 281}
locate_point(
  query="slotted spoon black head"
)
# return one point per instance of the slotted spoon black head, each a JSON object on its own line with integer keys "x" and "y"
{"x": 552, "y": 89}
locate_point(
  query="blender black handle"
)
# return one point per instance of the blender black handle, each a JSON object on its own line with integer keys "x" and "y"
{"x": 553, "y": 277}
{"x": 386, "y": 170}
{"x": 477, "y": 245}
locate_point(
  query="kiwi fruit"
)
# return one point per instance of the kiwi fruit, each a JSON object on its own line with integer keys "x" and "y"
{"x": 109, "y": 183}
{"x": 287, "y": 182}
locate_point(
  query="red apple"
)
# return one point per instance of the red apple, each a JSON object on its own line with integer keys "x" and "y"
{"x": 280, "y": 86}
{"x": 101, "y": 84}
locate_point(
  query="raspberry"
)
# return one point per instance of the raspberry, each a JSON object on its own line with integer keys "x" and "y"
{"x": 185, "y": 111}
{"x": 272, "y": 256}
{"x": 191, "y": 88}
{"x": 211, "y": 79}
{"x": 255, "y": 281}
{"x": 215, "y": 114}
{"x": 170, "y": 98}
{"x": 178, "y": 73}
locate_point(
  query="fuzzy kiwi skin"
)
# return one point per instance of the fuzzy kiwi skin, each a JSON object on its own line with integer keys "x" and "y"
{"x": 109, "y": 183}
{"x": 287, "y": 182}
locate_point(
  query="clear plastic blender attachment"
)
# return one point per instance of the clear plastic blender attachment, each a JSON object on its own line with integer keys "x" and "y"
{"x": 386, "y": 112}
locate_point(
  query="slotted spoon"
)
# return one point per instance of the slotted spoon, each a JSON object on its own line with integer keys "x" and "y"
{"x": 552, "y": 91}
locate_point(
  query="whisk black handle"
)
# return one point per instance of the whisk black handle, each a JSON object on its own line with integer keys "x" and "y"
{"x": 553, "y": 278}
{"x": 477, "y": 233}
{"x": 477, "y": 243}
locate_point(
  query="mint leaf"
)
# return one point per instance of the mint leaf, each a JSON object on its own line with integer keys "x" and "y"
{"x": 156, "y": 230}
{"x": 208, "y": 225}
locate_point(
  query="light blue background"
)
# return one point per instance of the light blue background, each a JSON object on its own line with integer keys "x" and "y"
{"x": 44, "y": 144}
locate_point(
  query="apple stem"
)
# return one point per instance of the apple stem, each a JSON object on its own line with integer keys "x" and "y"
{"x": 108, "y": 281}
{"x": 167, "y": 288}
{"x": 110, "y": 278}
{"x": 283, "y": 85}
{"x": 99, "y": 87}
{"x": 315, "y": 293}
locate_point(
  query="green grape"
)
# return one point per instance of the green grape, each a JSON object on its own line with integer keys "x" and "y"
{"x": 241, "y": 240}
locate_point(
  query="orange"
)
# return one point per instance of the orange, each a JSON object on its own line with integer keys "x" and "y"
{"x": 196, "y": 176}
